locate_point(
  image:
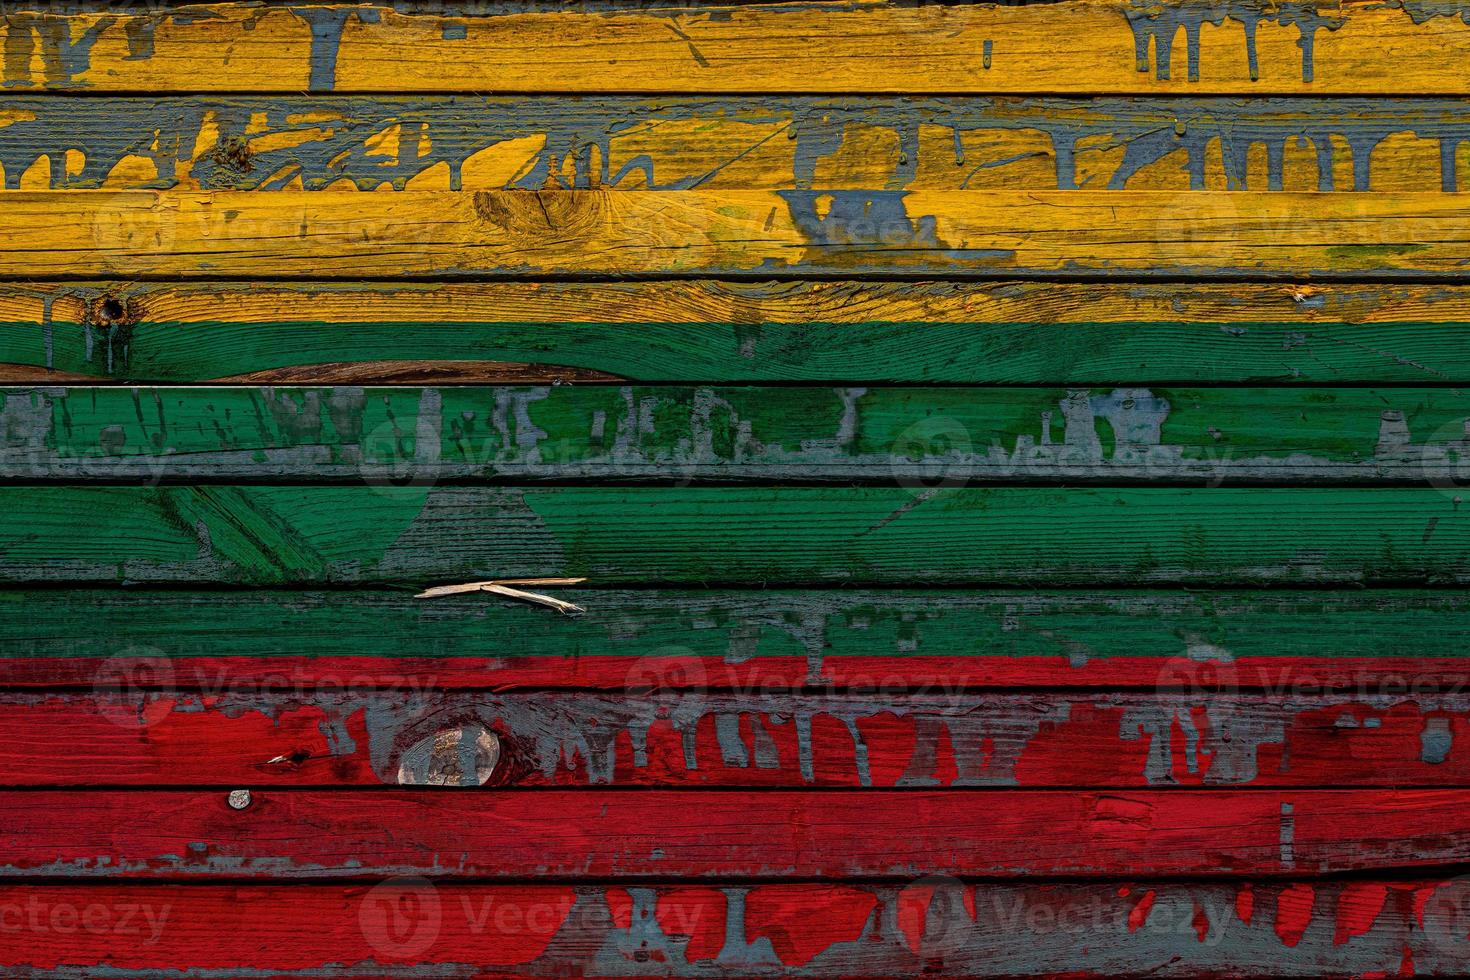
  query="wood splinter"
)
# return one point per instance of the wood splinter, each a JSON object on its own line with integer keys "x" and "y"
{"x": 503, "y": 587}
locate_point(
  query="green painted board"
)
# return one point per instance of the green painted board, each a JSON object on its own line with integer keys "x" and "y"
{"x": 731, "y": 536}
{"x": 737, "y": 625}
{"x": 916, "y": 436}
{"x": 711, "y": 332}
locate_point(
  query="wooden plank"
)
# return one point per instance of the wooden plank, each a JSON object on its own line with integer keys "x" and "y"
{"x": 942, "y": 927}
{"x": 733, "y": 143}
{"x": 1245, "y": 47}
{"x": 922, "y": 437}
{"x": 747, "y": 739}
{"x": 703, "y": 331}
{"x": 767, "y": 835}
{"x": 1385, "y": 642}
{"x": 795, "y": 536}
{"x": 294, "y": 234}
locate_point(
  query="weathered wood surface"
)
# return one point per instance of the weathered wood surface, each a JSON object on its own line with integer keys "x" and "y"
{"x": 767, "y": 834}
{"x": 733, "y": 143}
{"x": 921, "y": 437}
{"x": 754, "y": 739}
{"x": 300, "y": 234}
{"x": 934, "y": 926}
{"x": 733, "y": 536}
{"x": 1245, "y": 46}
{"x": 654, "y": 785}
{"x": 705, "y": 331}
{"x": 1387, "y": 641}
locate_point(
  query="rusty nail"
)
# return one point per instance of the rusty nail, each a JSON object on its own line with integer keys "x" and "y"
{"x": 239, "y": 799}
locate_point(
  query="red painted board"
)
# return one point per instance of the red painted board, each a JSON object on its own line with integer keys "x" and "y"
{"x": 408, "y": 927}
{"x": 573, "y": 738}
{"x": 497, "y": 833}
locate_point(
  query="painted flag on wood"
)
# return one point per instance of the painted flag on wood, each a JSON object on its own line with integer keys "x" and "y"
{"x": 723, "y": 490}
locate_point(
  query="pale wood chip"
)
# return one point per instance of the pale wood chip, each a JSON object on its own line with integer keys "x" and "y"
{"x": 535, "y": 581}
{"x": 439, "y": 590}
{"x": 545, "y": 600}
{"x": 502, "y": 587}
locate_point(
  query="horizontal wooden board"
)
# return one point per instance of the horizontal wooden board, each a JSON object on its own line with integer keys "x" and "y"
{"x": 1387, "y": 642}
{"x": 938, "y": 926}
{"x": 704, "y": 331}
{"x": 771, "y": 834}
{"x": 1245, "y": 46}
{"x": 920, "y": 437}
{"x": 297, "y": 234}
{"x": 751, "y": 739}
{"x": 757, "y": 536}
{"x": 733, "y": 143}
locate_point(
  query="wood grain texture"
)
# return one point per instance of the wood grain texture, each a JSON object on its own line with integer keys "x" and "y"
{"x": 938, "y": 926}
{"x": 300, "y": 536}
{"x": 919, "y": 437}
{"x": 1214, "y": 250}
{"x": 1245, "y": 46}
{"x": 767, "y": 835}
{"x": 295, "y": 234}
{"x": 707, "y": 331}
{"x": 733, "y": 143}
{"x": 750, "y": 739}
{"x": 1388, "y": 642}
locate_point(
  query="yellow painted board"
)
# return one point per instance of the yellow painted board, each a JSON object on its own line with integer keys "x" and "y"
{"x": 825, "y": 331}
{"x": 923, "y": 233}
{"x": 704, "y": 301}
{"x": 830, "y": 46}
{"x": 534, "y": 142}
